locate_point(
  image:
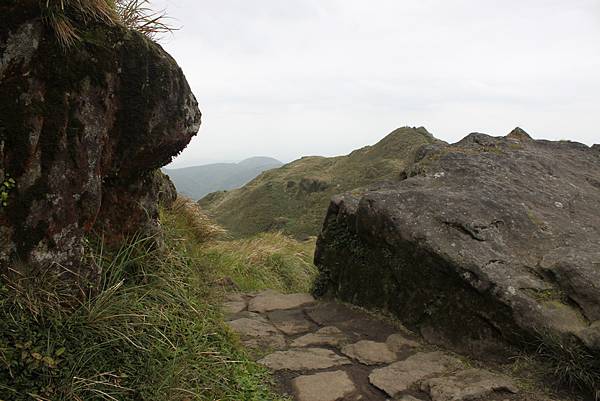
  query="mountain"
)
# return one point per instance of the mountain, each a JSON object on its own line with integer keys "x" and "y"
{"x": 198, "y": 181}
{"x": 294, "y": 197}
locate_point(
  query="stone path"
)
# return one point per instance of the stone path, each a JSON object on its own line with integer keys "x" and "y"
{"x": 326, "y": 351}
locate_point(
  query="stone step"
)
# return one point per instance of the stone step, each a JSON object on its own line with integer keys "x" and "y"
{"x": 326, "y": 351}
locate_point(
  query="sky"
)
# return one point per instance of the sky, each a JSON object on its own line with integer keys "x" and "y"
{"x": 289, "y": 78}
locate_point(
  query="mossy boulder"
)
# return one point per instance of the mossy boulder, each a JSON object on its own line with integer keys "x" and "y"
{"x": 82, "y": 131}
{"x": 487, "y": 243}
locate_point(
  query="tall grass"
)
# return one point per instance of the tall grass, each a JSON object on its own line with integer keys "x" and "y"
{"x": 152, "y": 332}
{"x": 569, "y": 362}
{"x": 194, "y": 222}
{"x": 66, "y": 17}
{"x": 267, "y": 260}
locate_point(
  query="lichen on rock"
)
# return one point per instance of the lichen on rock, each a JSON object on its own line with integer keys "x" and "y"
{"x": 486, "y": 244}
{"x": 82, "y": 131}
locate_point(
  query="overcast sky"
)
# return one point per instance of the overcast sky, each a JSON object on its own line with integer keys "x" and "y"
{"x": 287, "y": 78}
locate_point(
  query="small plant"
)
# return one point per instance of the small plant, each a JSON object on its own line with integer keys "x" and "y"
{"x": 138, "y": 15}
{"x": 570, "y": 362}
{"x": 5, "y": 189}
{"x": 65, "y": 17}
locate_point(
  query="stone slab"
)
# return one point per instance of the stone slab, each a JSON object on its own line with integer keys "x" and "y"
{"x": 328, "y": 335}
{"x": 400, "y": 376}
{"x": 303, "y": 359}
{"x": 325, "y": 386}
{"x": 369, "y": 352}
{"x": 469, "y": 384}
{"x": 269, "y": 301}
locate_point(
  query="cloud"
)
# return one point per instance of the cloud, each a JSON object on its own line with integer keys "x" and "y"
{"x": 321, "y": 77}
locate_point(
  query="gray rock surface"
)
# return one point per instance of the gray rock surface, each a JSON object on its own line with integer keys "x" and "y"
{"x": 398, "y": 342}
{"x": 400, "y": 376}
{"x": 468, "y": 385}
{"x": 409, "y": 398}
{"x": 369, "y": 352}
{"x": 325, "y": 386}
{"x": 270, "y": 300}
{"x": 257, "y": 333}
{"x": 303, "y": 359}
{"x": 487, "y": 242}
{"x": 235, "y": 303}
{"x": 290, "y": 322}
{"x": 81, "y": 134}
{"x": 328, "y": 335}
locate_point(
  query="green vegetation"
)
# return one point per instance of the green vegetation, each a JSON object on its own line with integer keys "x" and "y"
{"x": 569, "y": 362}
{"x": 294, "y": 198}
{"x": 268, "y": 260}
{"x": 559, "y": 363}
{"x": 7, "y": 185}
{"x": 154, "y": 330}
{"x": 264, "y": 261}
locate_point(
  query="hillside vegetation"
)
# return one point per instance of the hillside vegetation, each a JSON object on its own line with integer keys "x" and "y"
{"x": 294, "y": 198}
{"x": 154, "y": 330}
{"x": 197, "y": 181}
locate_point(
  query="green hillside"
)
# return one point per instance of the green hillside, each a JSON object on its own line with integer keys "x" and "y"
{"x": 198, "y": 181}
{"x": 294, "y": 198}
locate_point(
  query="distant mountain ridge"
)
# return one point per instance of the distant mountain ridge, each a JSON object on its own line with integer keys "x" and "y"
{"x": 294, "y": 197}
{"x": 198, "y": 181}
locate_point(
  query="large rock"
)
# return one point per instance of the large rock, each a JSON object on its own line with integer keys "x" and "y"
{"x": 81, "y": 132}
{"x": 488, "y": 241}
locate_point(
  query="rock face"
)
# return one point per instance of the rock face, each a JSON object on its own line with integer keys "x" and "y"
{"x": 488, "y": 241}
{"x": 81, "y": 132}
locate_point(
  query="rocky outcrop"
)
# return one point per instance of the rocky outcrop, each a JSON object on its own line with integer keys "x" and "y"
{"x": 81, "y": 132}
{"x": 487, "y": 242}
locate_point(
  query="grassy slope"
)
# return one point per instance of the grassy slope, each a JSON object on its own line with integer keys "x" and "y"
{"x": 276, "y": 201}
{"x": 155, "y": 331}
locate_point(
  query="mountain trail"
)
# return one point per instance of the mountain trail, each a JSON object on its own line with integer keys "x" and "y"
{"x": 328, "y": 351}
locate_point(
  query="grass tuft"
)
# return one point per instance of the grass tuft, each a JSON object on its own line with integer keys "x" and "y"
{"x": 66, "y": 17}
{"x": 152, "y": 331}
{"x": 138, "y": 15}
{"x": 569, "y": 362}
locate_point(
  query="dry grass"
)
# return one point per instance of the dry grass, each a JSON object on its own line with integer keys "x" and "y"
{"x": 138, "y": 15}
{"x": 268, "y": 260}
{"x": 203, "y": 228}
{"x": 66, "y": 17}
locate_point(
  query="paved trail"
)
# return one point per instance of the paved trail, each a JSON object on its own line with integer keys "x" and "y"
{"x": 326, "y": 351}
